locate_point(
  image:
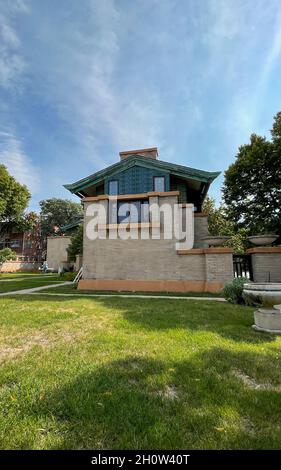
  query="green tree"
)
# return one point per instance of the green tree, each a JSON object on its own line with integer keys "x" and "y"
{"x": 252, "y": 184}
{"x": 219, "y": 224}
{"x": 14, "y": 199}
{"x": 58, "y": 212}
{"x": 76, "y": 244}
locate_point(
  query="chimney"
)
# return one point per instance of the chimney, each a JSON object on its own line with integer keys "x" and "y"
{"x": 149, "y": 153}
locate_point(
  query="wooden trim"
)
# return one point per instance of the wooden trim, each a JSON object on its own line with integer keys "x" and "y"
{"x": 265, "y": 249}
{"x": 205, "y": 251}
{"x": 200, "y": 214}
{"x": 129, "y": 225}
{"x": 124, "y": 197}
{"x": 140, "y": 285}
{"x": 186, "y": 204}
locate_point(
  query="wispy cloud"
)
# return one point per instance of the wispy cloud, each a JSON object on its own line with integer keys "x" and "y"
{"x": 12, "y": 64}
{"x": 12, "y": 155}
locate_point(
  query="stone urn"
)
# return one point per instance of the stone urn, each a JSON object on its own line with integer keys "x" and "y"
{"x": 215, "y": 240}
{"x": 261, "y": 240}
{"x": 267, "y": 318}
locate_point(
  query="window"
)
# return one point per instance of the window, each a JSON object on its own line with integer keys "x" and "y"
{"x": 113, "y": 188}
{"x": 16, "y": 243}
{"x": 159, "y": 183}
{"x": 135, "y": 212}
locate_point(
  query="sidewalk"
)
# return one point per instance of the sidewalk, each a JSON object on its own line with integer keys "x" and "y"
{"x": 37, "y": 291}
{"x": 34, "y": 289}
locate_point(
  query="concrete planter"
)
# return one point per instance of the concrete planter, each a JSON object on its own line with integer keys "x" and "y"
{"x": 266, "y": 239}
{"x": 215, "y": 240}
{"x": 269, "y": 295}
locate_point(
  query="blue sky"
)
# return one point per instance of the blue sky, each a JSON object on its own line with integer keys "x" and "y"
{"x": 82, "y": 80}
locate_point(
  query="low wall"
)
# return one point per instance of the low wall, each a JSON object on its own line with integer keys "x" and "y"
{"x": 13, "y": 266}
{"x": 196, "y": 270}
{"x": 266, "y": 264}
{"x": 57, "y": 251}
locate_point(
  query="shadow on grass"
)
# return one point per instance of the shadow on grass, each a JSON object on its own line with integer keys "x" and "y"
{"x": 139, "y": 403}
{"x": 230, "y": 321}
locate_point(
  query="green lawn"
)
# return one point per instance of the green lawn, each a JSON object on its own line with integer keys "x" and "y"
{"x": 114, "y": 373}
{"x": 19, "y": 283}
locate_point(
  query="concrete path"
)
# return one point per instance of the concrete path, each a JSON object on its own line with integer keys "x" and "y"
{"x": 127, "y": 296}
{"x": 29, "y": 278}
{"x": 38, "y": 291}
{"x": 34, "y": 289}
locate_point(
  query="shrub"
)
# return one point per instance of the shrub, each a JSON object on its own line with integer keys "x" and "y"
{"x": 69, "y": 276}
{"x": 233, "y": 291}
{"x": 6, "y": 255}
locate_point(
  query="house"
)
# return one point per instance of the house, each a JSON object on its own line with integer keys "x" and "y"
{"x": 29, "y": 247}
{"x": 124, "y": 197}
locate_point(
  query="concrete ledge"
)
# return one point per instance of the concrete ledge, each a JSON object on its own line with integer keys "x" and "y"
{"x": 123, "y": 197}
{"x": 265, "y": 249}
{"x": 132, "y": 285}
{"x": 205, "y": 251}
{"x": 129, "y": 225}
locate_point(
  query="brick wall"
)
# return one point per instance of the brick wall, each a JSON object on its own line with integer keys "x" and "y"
{"x": 151, "y": 260}
{"x": 266, "y": 265}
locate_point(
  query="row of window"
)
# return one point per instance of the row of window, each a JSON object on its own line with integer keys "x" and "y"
{"x": 124, "y": 212}
{"x": 158, "y": 185}
{"x": 15, "y": 243}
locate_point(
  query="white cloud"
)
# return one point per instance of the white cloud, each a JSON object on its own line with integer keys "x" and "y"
{"x": 86, "y": 91}
{"x": 12, "y": 64}
{"x": 18, "y": 163}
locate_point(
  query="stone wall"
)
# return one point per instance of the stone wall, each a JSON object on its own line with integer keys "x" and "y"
{"x": 57, "y": 251}
{"x": 266, "y": 264}
{"x": 14, "y": 266}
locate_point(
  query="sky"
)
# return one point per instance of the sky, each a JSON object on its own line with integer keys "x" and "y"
{"x": 82, "y": 80}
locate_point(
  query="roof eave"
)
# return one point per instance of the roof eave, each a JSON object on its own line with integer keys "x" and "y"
{"x": 205, "y": 177}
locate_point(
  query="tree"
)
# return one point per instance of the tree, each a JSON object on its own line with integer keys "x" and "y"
{"x": 252, "y": 184}
{"x": 6, "y": 255}
{"x": 76, "y": 244}
{"x": 14, "y": 198}
{"x": 58, "y": 212}
{"x": 218, "y": 224}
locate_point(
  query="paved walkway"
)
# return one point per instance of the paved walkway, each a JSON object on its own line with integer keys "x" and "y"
{"x": 29, "y": 278}
{"x": 34, "y": 291}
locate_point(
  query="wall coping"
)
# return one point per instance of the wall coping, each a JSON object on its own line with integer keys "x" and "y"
{"x": 205, "y": 251}
{"x": 200, "y": 214}
{"x": 121, "y": 197}
{"x": 58, "y": 236}
{"x": 264, "y": 249}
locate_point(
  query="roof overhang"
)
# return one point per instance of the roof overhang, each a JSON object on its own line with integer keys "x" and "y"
{"x": 174, "y": 169}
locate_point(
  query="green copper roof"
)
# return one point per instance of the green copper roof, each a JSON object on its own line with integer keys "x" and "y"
{"x": 73, "y": 224}
{"x": 172, "y": 168}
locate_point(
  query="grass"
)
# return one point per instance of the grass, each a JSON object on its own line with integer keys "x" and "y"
{"x": 19, "y": 274}
{"x": 115, "y": 373}
{"x": 17, "y": 283}
{"x": 72, "y": 289}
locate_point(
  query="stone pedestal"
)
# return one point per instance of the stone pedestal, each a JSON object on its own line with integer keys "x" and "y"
{"x": 266, "y": 263}
{"x": 268, "y": 320}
